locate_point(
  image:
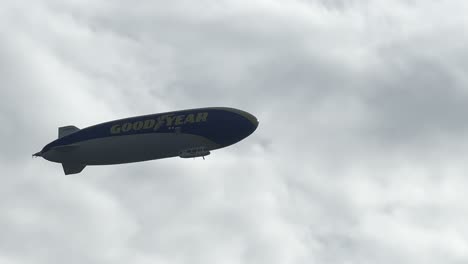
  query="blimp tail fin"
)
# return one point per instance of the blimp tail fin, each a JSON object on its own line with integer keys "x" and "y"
{"x": 72, "y": 168}
{"x": 66, "y": 130}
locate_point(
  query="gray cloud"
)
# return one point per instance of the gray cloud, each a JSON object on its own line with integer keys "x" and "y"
{"x": 359, "y": 157}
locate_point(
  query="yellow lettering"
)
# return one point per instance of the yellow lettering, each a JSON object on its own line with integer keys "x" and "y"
{"x": 201, "y": 117}
{"x": 115, "y": 129}
{"x": 179, "y": 120}
{"x": 149, "y": 123}
{"x": 126, "y": 127}
{"x": 190, "y": 119}
{"x": 138, "y": 125}
{"x": 161, "y": 121}
{"x": 169, "y": 120}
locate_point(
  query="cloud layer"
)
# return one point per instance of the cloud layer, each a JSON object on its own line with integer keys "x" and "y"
{"x": 359, "y": 156}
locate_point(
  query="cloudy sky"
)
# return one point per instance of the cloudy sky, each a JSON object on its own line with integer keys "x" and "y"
{"x": 360, "y": 156}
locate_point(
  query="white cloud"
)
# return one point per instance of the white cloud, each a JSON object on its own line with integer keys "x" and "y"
{"x": 359, "y": 156}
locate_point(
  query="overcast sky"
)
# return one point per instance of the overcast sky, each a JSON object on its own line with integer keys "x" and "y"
{"x": 360, "y": 156}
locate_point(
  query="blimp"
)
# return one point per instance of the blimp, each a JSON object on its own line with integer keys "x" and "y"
{"x": 186, "y": 133}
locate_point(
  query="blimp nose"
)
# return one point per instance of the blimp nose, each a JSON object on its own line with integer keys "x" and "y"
{"x": 252, "y": 119}
{"x": 255, "y": 122}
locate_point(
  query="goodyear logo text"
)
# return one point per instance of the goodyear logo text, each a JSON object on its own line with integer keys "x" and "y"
{"x": 161, "y": 121}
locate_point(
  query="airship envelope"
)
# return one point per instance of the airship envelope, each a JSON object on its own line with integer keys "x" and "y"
{"x": 186, "y": 134}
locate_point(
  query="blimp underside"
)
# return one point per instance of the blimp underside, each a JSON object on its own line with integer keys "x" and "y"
{"x": 187, "y": 133}
{"x": 124, "y": 149}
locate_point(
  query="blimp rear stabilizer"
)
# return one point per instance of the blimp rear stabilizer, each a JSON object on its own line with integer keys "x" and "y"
{"x": 72, "y": 168}
{"x": 67, "y": 130}
{"x": 185, "y": 133}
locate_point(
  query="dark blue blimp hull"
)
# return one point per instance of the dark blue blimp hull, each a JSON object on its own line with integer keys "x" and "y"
{"x": 186, "y": 133}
